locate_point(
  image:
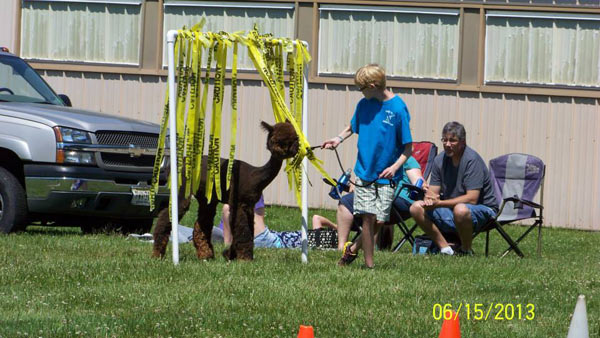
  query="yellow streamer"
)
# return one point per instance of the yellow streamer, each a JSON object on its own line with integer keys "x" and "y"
{"x": 160, "y": 147}
{"x": 281, "y": 110}
{"x": 202, "y": 114}
{"x": 233, "y": 113}
{"x": 267, "y": 56}
{"x": 182, "y": 93}
{"x": 214, "y": 146}
{"x": 190, "y": 126}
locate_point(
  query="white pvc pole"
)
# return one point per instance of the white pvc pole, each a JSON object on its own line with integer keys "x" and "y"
{"x": 171, "y": 36}
{"x": 305, "y": 166}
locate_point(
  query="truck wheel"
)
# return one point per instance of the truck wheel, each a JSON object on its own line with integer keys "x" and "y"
{"x": 13, "y": 203}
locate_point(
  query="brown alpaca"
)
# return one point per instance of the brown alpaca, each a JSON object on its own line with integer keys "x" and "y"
{"x": 247, "y": 185}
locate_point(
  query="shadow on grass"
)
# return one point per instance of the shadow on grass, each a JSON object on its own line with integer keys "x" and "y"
{"x": 37, "y": 230}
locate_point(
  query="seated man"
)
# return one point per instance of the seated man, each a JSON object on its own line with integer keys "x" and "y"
{"x": 263, "y": 236}
{"x": 346, "y": 221}
{"x": 460, "y": 195}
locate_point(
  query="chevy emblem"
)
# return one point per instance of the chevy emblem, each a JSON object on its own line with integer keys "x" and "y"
{"x": 135, "y": 151}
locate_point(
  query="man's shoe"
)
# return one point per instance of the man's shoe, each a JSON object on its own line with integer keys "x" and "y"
{"x": 347, "y": 255}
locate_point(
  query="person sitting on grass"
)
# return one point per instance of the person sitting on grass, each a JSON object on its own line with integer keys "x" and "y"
{"x": 381, "y": 121}
{"x": 346, "y": 222}
{"x": 263, "y": 236}
{"x": 460, "y": 198}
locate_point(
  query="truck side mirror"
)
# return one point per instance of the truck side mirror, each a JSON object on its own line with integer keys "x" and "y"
{"x": 65, "y": 99}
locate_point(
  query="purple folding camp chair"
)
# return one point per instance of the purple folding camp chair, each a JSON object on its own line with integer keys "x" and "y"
{"x": 516, "y": 179}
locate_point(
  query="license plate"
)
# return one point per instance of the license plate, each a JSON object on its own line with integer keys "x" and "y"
{"x": 141, "y": 196}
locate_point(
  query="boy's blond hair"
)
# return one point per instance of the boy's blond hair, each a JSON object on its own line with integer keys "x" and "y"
{"x": 371, "y": 73}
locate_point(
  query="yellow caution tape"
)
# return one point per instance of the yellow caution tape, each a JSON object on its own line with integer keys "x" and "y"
{"x": 202, "y": 115}
{"x": 267, "y": 56}
{"x": 279, "y": 68}
{"x": 160, "y": 147}
{"x": 190, "y": 126}
{"x": 233, "y": 114}
{"x": 182, "y": 91}
{"x": 269, "y": 59}
{"x": 281, "y": 111}
{"x": 214, "y": 145}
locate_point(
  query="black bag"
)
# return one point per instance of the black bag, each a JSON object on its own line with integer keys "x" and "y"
{"x": 322, "y": 238}
{"x": 424, "y": 245}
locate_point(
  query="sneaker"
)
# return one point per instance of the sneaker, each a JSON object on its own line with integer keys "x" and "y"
{"x": 347, "y": 255}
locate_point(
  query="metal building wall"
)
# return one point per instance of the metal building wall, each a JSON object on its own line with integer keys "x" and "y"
{"x": 8, "y": 14}
{"x": 561, "y": 131}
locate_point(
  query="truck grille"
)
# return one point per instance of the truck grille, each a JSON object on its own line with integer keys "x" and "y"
{"x": 124, "y": 161}
{"x": 142, "y": 140}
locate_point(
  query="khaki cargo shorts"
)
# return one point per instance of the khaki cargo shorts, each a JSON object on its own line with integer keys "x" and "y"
{"x": 374, "y": 199}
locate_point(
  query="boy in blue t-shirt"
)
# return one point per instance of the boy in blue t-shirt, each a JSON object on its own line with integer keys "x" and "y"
{"x": 381, "y": 121}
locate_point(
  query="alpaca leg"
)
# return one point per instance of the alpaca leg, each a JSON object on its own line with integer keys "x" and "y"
{"x": 203, "y": 228}
{"x": 242, "y": 228}
{"x": 162, "y": 230}
{"x": 161, "y": 234}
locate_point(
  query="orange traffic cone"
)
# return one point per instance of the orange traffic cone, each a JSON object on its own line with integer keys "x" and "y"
{"x": 450, "y": 327}
{"x": 306, "y": 331}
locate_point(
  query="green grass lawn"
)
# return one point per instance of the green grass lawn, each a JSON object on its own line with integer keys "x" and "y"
{"x": 56, "y": 282}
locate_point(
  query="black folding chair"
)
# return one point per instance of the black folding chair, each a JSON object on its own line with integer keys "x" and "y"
{"x": 424, "y": 152}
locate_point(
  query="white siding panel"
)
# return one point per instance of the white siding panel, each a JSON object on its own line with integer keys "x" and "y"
{"x": 585, "y": 151}
{"x": 111, "y": 93}
{"x": 8, "y": 16}
{"x": 93, "y": 86}
{"x": 152, "y": 98}
{"x": 514, "y": 124}
{"x": 75, "y": 88}
{"x": 560, "y": 161}
{"x": 595, "y": 178}
{"x": 424, "y": 120}
{"x": 493, "y": 110}
{"x": 469, "y": 106}
{"x": 56, "y": 80}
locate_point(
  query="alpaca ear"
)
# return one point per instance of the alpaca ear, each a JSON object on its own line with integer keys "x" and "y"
{"x": 267, "y": 127}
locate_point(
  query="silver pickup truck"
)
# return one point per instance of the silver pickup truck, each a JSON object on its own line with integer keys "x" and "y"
{"x": 65, "y": 166}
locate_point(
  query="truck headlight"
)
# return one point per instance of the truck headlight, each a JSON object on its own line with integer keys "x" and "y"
{"x": 67, "y": 140}
{"x": 79, "y": 157}
{"x": 70, "y": 135}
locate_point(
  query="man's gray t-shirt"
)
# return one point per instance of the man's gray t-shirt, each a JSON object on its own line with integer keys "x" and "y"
{"x": 471, "y": 174}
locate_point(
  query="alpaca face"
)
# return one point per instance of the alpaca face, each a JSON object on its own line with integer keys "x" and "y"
{"x": 282, "y": 141}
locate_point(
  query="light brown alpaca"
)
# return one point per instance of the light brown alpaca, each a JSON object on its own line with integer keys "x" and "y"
{"x": 247, "y": 185}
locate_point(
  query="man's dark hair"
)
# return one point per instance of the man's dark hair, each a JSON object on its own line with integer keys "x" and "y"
{"x": 456, "y": 129}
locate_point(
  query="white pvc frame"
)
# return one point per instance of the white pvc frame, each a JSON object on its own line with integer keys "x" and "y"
{"x": 171, "y": 36}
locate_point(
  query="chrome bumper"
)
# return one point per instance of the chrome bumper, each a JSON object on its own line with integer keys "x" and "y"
{"x": 90, "y": 197}
{"x": 42, "y": 187}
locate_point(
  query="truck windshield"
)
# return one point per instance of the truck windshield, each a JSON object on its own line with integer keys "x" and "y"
{"x": 20, "y": 83}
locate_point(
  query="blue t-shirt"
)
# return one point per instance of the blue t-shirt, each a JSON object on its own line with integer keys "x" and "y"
{"x": 383, "y": 130}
